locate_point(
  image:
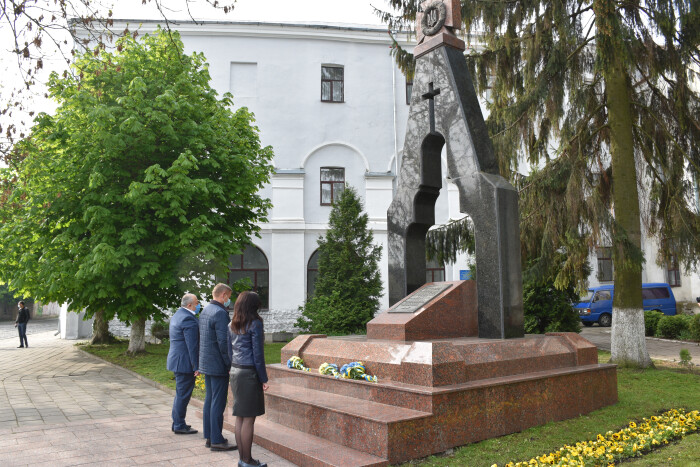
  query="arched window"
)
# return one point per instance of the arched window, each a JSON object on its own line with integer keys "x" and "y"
{"x": 434, "y": 272}
{"x": 311, "y": 274}
{"x": 253, "y": 265}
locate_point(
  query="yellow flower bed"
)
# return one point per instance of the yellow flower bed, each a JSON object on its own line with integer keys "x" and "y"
{"x": 634, "y": 440}
{"x": 199, "y": 382}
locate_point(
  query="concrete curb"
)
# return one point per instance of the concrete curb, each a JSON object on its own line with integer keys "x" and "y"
{"x": 193, "y": 402}
{"x": 673, "y": 341}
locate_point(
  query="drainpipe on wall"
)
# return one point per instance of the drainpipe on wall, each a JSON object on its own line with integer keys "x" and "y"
{"x": 396, "y": 141}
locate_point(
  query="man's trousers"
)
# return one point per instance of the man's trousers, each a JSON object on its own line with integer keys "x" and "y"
{"x": 184, "y": 384}
{"x": 214, "y": 406}
{"x": 22, "y": 329}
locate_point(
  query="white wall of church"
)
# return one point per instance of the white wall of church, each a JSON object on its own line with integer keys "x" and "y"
{"x": 275, "y": 70}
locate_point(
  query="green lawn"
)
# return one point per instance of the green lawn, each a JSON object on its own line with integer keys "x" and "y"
{"x": 641, "y": 394}
{"x": 152, "y": 363}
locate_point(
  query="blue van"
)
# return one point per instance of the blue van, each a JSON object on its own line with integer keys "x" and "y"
{"x": 596, "y": 307}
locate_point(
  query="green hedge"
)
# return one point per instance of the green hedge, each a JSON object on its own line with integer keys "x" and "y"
{"x": 695, "y": 327}
{"x": 683, "y": 327}
{"x": 161, "y": 329}
{"x": 671, "y": 327}
{"x": 651, "y": 320}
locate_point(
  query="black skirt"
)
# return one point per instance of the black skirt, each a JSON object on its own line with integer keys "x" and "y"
{"x": 248, "y": 397}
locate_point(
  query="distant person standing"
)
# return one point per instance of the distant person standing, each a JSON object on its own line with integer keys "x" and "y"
{"x": 215, "y": 364}
{"x": 183, "y": 359}
{"x": 248, "y": 374}
{"x": 21, "y": 325}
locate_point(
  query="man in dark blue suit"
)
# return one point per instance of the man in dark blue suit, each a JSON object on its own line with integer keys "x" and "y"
{"x": 215, "y": 364}
{"x": 183, "y": 359}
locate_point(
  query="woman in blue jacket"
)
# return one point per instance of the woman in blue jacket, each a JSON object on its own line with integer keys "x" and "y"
{"x": 248, "y": 375}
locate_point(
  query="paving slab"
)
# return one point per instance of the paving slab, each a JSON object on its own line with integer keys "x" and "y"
{"x": 60, "y": 406}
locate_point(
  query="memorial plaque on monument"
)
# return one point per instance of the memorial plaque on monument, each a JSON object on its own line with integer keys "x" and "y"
{"x": 419, "y": 298}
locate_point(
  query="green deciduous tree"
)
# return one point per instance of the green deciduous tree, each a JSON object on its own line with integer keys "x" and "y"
{"x": 137, "y": 190}
{"x": 597, "y": 95}
{"x": 348, "y": 286}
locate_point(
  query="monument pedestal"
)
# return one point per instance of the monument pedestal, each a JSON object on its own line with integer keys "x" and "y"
{"x": 432, "y": 394}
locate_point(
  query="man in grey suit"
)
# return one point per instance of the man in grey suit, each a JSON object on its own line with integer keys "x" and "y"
{"x": 183, "y": 359}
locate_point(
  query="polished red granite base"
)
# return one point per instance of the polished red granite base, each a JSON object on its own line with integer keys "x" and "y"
{"x": 451, "y": 314}
{"x": 431, "y": 395}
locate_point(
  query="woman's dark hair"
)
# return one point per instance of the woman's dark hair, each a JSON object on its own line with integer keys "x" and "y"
{"x": 245, "y": 311}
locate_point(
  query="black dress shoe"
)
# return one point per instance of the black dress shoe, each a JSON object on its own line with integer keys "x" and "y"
{"x": 207, "y": 442}
{"x": 223, "y": 447}
{"x": 185, "y": 431}
{"x": 252, "y": 463}
{"x": 20, "y": 346}
{"x": 172, "y": 428}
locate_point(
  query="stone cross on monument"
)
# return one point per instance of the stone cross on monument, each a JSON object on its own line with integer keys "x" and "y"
{"x": 431, "y": 95}
{"x": 445, "y": 112}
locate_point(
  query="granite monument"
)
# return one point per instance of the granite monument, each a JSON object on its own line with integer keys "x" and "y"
{"x": 445, "y": 111}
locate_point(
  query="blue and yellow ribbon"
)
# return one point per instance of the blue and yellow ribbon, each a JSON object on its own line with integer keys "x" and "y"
{"x": 297, "y": 363}
{"x": 329, "y": 369}
{"x": 356, "y": 370}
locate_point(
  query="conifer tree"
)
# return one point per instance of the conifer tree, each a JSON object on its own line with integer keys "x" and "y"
{"x": 348, "y": 286}
{"x": 598, "y": 95}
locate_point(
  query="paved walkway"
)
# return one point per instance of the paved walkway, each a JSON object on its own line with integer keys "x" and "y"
{"x": 59, "y": 406}
{"x": 35, "y": 326}
{"x": 659, "y": 349}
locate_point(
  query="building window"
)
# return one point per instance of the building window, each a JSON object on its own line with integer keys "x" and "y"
{"x": 605, "y": 264}
{"x": 332, "y": 184}
{"x": 434, "y": 272}
{"x": 409, "y": 91}
{"x": 673, "y": 273}
{"x": 253, "y": 266}
{"x": 332, "y": 84}
{"x": 311, "y": 274}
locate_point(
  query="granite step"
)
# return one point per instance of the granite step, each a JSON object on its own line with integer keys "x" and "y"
{"x": 384, "y": 392}
{"x": 355, "y": 423}
{"x": 308, "y": 450}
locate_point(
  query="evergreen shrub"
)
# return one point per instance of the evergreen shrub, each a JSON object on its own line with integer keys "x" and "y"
{"x": 671, "y": 327}
{"x": 651, "y": 320}
{"x": 695, "y": 327}
{"x": 348, "y": 286}
{"x": 548, "y": 309}
{"x": 160, "y": 329}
